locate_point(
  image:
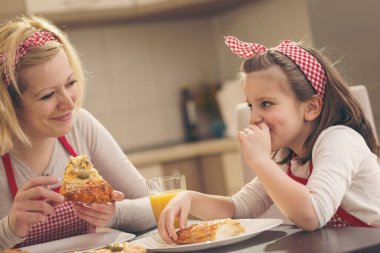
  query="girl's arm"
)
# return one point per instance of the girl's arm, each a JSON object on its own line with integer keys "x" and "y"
{"x": 291, "y": 197}
{"x": 203, "y": 206}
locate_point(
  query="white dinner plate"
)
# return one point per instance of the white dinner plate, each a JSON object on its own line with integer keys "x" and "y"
{"x": 253, "y": 227}
{"x": 80, "y": 242}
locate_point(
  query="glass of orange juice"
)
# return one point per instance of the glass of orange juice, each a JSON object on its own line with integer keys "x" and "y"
{"x": 162, "y": 189}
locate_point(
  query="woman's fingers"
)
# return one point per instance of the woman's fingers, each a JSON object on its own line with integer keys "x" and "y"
{"x": 97, "y": 214}
{"x": 35, "y": 206}
{"x": 117, "y": 196}
{"x": 40, "y": 181}
{"x": 41, "y": 192}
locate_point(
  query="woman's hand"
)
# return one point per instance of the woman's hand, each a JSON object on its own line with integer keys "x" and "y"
{"x": 98, "y": 214}
{"x": 255, "y": 143}
{"x": 179, "y": 206}
{"x": 33, "y": 203}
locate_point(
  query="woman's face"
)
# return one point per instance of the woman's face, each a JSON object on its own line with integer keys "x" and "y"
{"x": 272, "y": 101}
{"x": 48, "y": 102}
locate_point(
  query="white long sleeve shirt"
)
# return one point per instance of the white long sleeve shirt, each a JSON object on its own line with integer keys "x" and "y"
{"x": 89, "y": 137}
{"x": 345, "y": 174}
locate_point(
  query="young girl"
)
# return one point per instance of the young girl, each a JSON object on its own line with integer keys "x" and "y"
{"x": 41, "y": 125}
{"x": 313, "y": 151}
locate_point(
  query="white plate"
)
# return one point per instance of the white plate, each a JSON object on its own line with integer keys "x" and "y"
{"x": 252, "y": 228}
{"x": 80, "y": 242}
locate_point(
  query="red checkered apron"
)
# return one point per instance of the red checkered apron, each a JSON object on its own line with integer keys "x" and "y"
{"x": 341, "y": 218}
{"x": 64, "y": 224}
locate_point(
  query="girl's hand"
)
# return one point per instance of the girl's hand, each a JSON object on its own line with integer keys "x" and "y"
{"x": 33, "y": 203}
{"x": 98, "y": 214}
{"x": 179, "y": 206}
{"x": 255, "y": 143}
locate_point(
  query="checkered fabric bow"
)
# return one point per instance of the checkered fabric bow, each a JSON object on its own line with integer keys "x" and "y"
{"x": 311, "y": 68}
{"x": 36, "y": 39}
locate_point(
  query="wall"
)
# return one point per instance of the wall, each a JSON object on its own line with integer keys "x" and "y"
{"x": 263, "y": 22}
{"x": 349, "y": 30}
{"x": 135, "y": 72}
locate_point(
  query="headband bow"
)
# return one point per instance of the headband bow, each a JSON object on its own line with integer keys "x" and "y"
{"x": 310, "y": 67}
{"x": 36, "y": 39}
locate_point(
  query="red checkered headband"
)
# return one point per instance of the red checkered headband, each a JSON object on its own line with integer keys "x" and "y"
{"x": 36, "y": 39}
{"x": 311, "y": 68}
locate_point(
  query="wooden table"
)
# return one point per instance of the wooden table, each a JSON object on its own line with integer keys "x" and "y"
{"x": 288, "y": 238}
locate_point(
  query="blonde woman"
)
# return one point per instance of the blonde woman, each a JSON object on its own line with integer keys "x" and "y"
{"x": 41, "y": 124}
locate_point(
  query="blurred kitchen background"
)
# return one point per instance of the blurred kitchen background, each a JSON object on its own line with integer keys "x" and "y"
{"x": 150, "y": 63}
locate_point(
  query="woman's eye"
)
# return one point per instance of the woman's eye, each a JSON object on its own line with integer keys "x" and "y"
{"x": 72, "y": 83}
{"x": 47, "y": 96}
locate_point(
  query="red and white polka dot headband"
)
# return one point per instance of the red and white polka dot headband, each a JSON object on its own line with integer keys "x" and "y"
{"x": 311, "y": 68}
{"x": 36, "y": 39}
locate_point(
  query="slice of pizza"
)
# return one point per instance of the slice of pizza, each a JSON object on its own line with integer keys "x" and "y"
{"x": 83, "y": 183}
{"x": 210, "y": 231}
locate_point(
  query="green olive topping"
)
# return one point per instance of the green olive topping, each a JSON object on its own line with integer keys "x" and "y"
{"x": 83, "y": 175}
{"x": 116, "y": 248}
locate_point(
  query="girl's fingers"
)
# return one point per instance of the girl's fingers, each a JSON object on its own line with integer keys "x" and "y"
{"x": 163, "y": 230}
{"x": 169, "y": 223}
{"x": 183, "y": 220}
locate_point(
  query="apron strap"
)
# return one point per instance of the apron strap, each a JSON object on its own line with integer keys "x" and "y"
{"x": 340, "y": 212}
{"x": 10, "y": 175}
{"x": 9, "y": 170}
{"x": 66, "y": 144}
{"x": 350, "y": 218}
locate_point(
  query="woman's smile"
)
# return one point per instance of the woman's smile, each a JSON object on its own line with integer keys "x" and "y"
{"x": 63, "y": 118}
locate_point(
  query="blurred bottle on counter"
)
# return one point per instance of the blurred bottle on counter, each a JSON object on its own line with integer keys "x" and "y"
{"x": 189, "y": 115}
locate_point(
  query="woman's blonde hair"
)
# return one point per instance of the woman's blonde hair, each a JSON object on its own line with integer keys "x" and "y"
{"x": 339, "y": 106}
{"x": 12, "y": 34}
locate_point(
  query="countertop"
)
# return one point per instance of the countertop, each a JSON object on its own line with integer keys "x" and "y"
{"x": 183, "y": 151}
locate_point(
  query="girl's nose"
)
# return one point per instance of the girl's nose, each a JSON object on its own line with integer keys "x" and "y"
{"x": 255, "y": 117}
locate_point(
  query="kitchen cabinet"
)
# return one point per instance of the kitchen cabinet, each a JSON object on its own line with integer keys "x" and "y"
{"x": 79, "y": 12}
{"x": 210, "y": 166}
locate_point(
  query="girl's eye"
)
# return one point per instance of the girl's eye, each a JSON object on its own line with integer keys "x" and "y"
{"x": 249, "y": 106}
{"x": 266, "y": 103}
{"x": 47, "y": 96}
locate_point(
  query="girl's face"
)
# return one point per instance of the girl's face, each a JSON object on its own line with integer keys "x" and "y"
{"x": 272, "y": 101}
{"x": 49, "y": 99}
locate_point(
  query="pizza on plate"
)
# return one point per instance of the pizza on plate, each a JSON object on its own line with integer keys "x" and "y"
{"x": 210, "y": 231}
{"x": 83, "y": 183}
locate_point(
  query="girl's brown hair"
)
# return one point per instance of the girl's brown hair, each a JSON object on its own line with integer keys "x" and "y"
{"x": 339, "y": 106}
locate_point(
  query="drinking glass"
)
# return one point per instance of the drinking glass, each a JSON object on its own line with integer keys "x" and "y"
{"x": 162, "y": 189}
